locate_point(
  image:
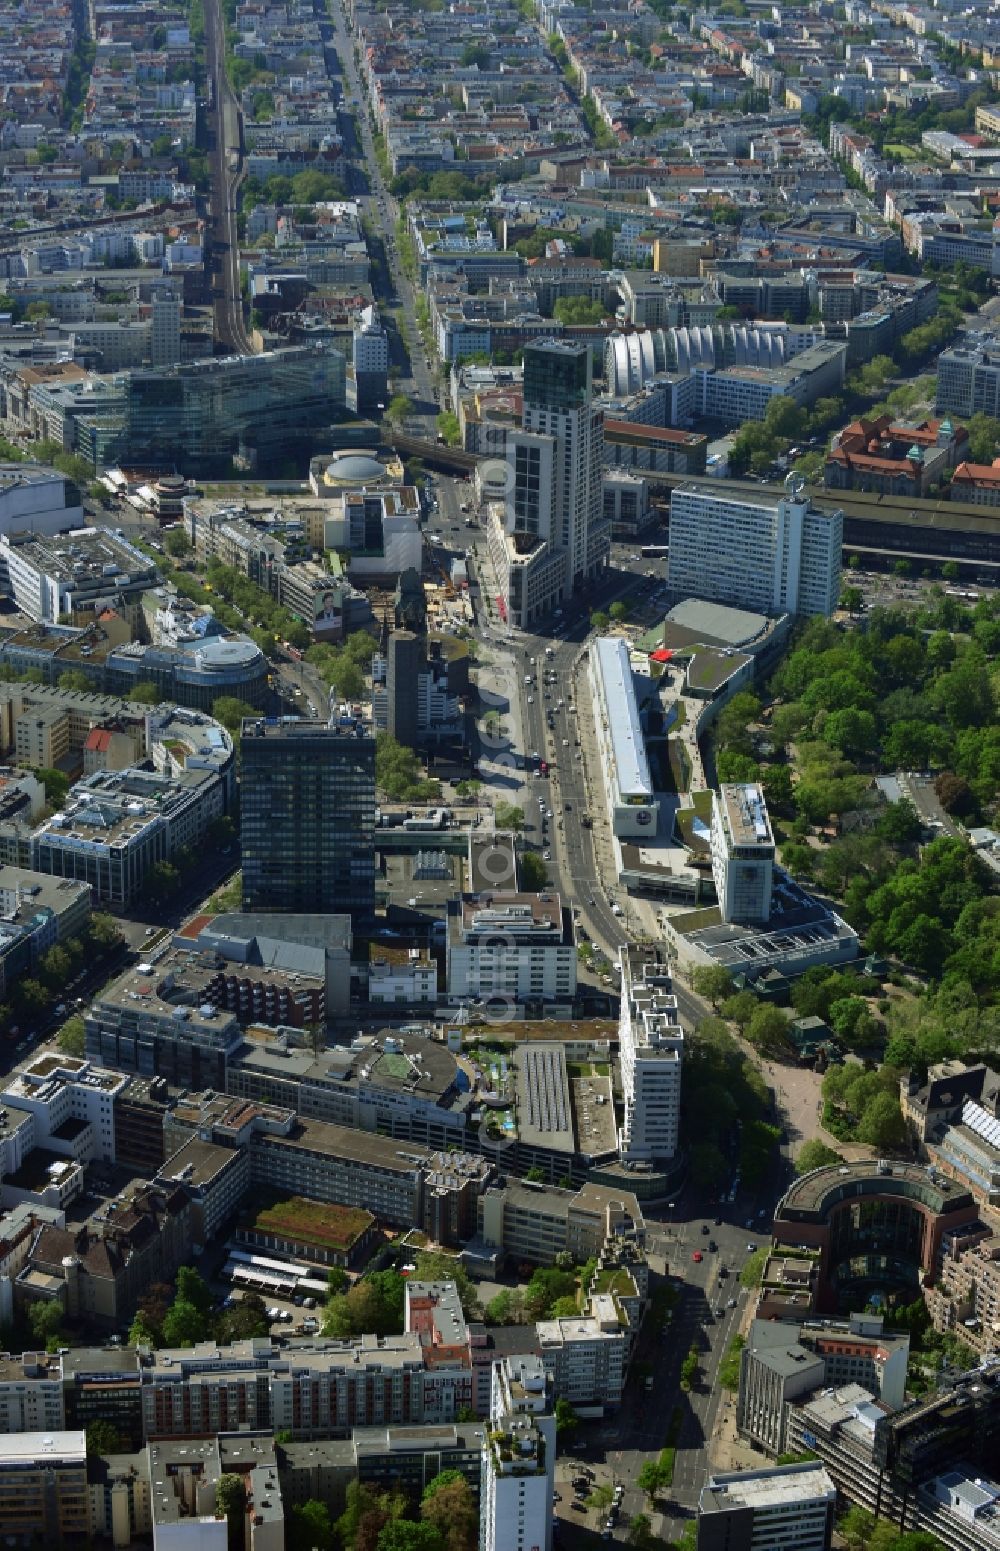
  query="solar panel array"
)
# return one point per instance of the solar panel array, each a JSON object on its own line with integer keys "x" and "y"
{"x": 546, "y": 1091}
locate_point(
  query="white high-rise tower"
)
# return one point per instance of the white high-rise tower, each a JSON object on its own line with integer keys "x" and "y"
{"x": 651, "y": 1047}
{"x": 519, "y": 1452}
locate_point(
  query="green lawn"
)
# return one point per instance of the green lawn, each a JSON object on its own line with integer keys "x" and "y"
{"x": 903, "y": 153}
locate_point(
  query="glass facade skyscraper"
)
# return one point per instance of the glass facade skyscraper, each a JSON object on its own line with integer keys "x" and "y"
{"x": 208, "y": 410}
{"x": 307, "y": 816}
{"x": 557, "y": 375}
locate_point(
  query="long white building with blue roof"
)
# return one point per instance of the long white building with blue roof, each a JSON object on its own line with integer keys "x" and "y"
{"x": 632, "y": 802}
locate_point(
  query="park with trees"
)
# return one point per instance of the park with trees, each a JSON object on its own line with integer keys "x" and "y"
{"x": 916, "y": 688}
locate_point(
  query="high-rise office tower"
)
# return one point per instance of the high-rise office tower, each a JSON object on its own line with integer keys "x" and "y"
{"x": 164, "y": 328}
{"x": 742, "y": 854}
{"x": 370, "y": 353}
{"x": 519, "y": 1451}
{"x": 405, "y": 659}
{"x": 307, "y": 816}
{"x": 776, "y": 556}
{"x": 553, "y": 538}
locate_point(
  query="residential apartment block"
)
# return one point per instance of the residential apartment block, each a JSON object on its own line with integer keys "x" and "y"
{"x": 651, "y": 1046}
{"x": 775, "y": 557}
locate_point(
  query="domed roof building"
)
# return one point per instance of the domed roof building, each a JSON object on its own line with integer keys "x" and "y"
{"x": 353, "y": 468}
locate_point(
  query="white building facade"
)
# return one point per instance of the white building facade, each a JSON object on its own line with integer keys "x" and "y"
{"x": 788, "y": 1508}
{"x": 510, "y": 945}
{"x": 742, "y": 854}
{"x": 774, "y": 557}
{"x": 651, "y": 1046}
{"x": 632, "y": 803}
{"x": 519, "y": 1449}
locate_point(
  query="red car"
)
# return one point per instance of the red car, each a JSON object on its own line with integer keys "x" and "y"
{"x": 697, "y": 1255}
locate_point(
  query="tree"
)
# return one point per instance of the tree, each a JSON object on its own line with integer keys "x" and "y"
{"x": 103, "y": 930}
{"x": 449, "y": 1506}
{"x": 851, "y": 1020}
{"x": 374, "y": 1305}
{"x": 142, "y": 1333}
{"x": 652, "y": 1476}
{"x": 708, "y": 1165}
{"x": 310, "y": 1527}
{"x": 899, "y": 822}
{"x": 739, "y": 1009}
{"x": 882, "y": 1124}
{"x": 230, "y": 711}
{"x": 777, "y": 783}
{"x": 815, "y": 1154}
{"x": 178, "y": 544}
{"x": 984, "y": 439}
{"x": 449, "y": 427}
{"x": 856, "y": 1527}
{"x": 576, "y": 310}
{"x": 152, "y": 1308}
{"x": 72, "y": 1036}
{"x": 55, "y": 967}
{"x": 74, "y": 678}
{"x": 161, "y": 881}
{"x": 566, "y": 1417}
{"x": 400, "y": 408}
{"x": 337, "y": 1279}
{"x": 46, "y": 1320}
{"x": 640, "y": 1531}
{"x": 145, "y": 692}
{"x": 712, "y": 982}
{"x": 954, "y": 794}
{"x": 409, "y": 1535}
{"x": 534, "y": 873}
{"x": 507, "y": 1308}
{"x": 184, "y": 1325}
{"x": 768, "y": 1029}
{"x": 619, "y": 612}
{"x": 192, "y": 1288}
{"x": 231, "y": 1505}
{"x": 244, "y": 1320}
{"x": 783, "y": 417}
{"x": 103, "y": 1438}
{"x": 599, "y": 620}
{"x": 600, "y": 1499}
{"x": 56, "y": 786}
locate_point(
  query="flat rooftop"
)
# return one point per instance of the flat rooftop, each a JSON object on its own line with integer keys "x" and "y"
{"x": 51, "y": 1447}
{"x": 116, "y": 806}
{"x": 632, "y": 775}
{"x": 492, "y": 862}
{"x": 785, "y": 1485}
{"x": 506, "y": 910}
{"x": 815, "y": 1193}
{"x": 85, "y": 558}
{"x": 316, "y": 1223}
{"x": 544, "y": 1112}
{"x": 745, "y": 814}
{"x": 358, "y": 1147}
{"x": 299, "y": 729}
{"x": 198, "y": 1163}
